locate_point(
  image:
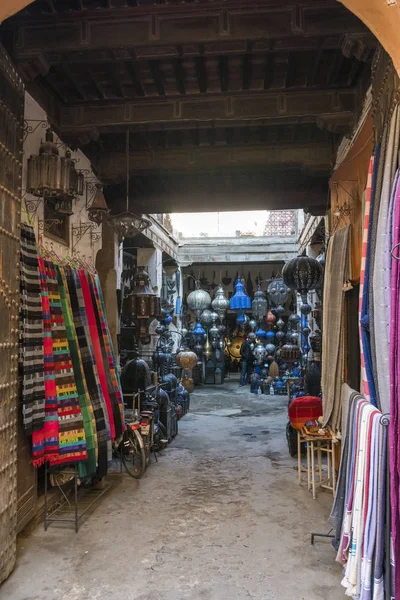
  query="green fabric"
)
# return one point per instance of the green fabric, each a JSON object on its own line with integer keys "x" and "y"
{"x": 87, "y": 467}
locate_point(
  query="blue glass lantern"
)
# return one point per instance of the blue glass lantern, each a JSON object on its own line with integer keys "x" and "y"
{"x": 198, "y": 332}
{"x": 270, "y": 336}
{"x": 240, "y": 302}
{"x": 261, "y": 333}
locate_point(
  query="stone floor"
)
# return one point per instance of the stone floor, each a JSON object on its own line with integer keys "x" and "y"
{"x": 220, "y": 516}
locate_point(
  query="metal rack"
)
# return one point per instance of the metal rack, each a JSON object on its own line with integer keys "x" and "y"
{"x": 77, "y": 506}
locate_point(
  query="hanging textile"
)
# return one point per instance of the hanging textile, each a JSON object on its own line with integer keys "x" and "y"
{"x": 45, "y": 440}
{"x": 89, "y": 423}
{"x": 104, "y": 449}
{"x": 394, "y": 440}
{"x": 112, "y": 361}
{"x": 359, "y": 507}
{"x": 31, "y": 334}
{"x": 364, "y": 317}
{"x": 114, "y": 392}
{"x": 333, "y": 343}
{"x": 367, "y": 207}
{"x": 379, "y": 292}
{"x": 72, "y": 443}
{"x": 378, "y": 185}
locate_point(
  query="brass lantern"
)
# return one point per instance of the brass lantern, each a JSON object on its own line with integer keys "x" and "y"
{"x": 142, "y": 305}
{"x": 44, "y": 175}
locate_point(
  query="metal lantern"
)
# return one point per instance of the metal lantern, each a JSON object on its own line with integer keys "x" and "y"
{"x": 98, "y": 210}
{"x": 270, "y": 348}
{"x": 186, "y": 360}
{"x": 64, "y": 206}
{"x": 206, "y": 318}
{"x": 52, "y": 176}
{"x": 316, "y": 340}
{"x": 128, "y": 224}
{"x": 270, "y": 319}
{"x": 214, "y": 333}
{"x": 294, "y": 320}
{"x": 44, "y": 169}
{"x": 253, "y": 324}
{"x": 198, "y": 301}
{"x": 259, "y": 353}
{"x": 220, "y": 304}
{"x": 240, "y": 302}
{"x": 302, "y": 274}
{"x": 143, "y": 305}
{"x": 278, "y": 292}
{"x": 198, "y": 332}
{"x": 214, "y": 317}
{"x": 259, "y": 305}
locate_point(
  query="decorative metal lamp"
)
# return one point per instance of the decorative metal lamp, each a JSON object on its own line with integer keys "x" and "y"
{"x": 98, "y": 211}
{"x": 240, "y": 302}
{"x": 220, "y": 304}
{"x": 206, "y": 318}
{"x": 143, "y": 305}
{"x": 44, "y": 169}
{"x": 198, "y": 300}
{"x": 128, "y": 224}
{"x": 259, "y": 305}
{"x": 199, "y": 333}
{"x": 53, "y": 177}
{"x": 278, "y": 293}
{"x": 302, "y": 274}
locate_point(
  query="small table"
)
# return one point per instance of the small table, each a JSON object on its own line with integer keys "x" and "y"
{"x": 317, "y": 445}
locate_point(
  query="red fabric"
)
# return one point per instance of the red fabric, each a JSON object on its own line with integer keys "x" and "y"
{"x": 94, "y": 335}
{"x": 303, "y": 409}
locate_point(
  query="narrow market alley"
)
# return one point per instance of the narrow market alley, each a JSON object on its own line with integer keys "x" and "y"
{"x": 219, "y": 516}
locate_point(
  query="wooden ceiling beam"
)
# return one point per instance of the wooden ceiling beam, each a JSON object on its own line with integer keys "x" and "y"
{"x": 186, "y": 24}
{"x": 204, "y": 190}
{"x": 194, "y": 109}
{"x": 313, "y": 156}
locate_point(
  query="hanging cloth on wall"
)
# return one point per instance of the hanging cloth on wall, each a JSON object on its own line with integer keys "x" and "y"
{"x": 95, "y": 341}
{"x": 45, "y": 440}
{"x": 31, "y": 334}
{"x": 379, "y": 291}
{"x": 110, "y": 350}
{"x": 332, "y": 342}
{"x": 71, "y": 435}
{"x": 89, "y": 422}
{"x": 376, "y": 201}
{"x": 394, "y": 438}
{"x": 114, "y": 391}
{"x": 104, "y": 448}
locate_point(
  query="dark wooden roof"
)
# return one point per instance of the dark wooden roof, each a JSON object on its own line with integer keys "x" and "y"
{"x": 205, "y": 86}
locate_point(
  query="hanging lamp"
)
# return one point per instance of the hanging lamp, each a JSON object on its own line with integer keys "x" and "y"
{"x": 240, "y": 301}
{"x": 128, "y": 224}
{"x": 259, "y": 305}
{"x": 98, "y": 211}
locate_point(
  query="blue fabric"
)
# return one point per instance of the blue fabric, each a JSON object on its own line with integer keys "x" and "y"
{"x": 364, "y": 321}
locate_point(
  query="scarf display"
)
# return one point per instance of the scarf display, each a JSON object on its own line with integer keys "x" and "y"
{"x": 359, "y": 515}
{"x": 379, "y": 291}
{"x": 76, "y": 412}
{"x": 333, "y": 346}
{"x": 31, "y": 334}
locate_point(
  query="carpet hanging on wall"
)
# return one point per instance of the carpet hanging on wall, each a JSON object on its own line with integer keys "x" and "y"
{"x": 333, "y": 346}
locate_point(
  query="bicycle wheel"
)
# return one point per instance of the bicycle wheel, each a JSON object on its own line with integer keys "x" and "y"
{"x": 133, "y": 454}
{"x": 160, "y": 440}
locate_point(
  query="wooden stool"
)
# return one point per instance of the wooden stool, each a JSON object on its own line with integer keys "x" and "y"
{"x": 316, "y": 445}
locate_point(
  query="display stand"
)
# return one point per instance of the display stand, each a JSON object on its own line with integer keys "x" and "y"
{"x": 78, "y": 506}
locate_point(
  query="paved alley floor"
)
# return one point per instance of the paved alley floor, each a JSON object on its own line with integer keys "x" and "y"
{"x": 219, "y": 517}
